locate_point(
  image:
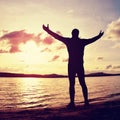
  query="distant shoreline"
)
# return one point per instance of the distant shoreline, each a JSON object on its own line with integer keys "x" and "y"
{"x": 98, "y": 74}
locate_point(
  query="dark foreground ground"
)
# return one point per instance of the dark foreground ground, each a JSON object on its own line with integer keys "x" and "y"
{"x": 96, "y": 111}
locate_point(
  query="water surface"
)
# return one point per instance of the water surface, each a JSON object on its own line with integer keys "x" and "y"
{"x": 32, "y": 93}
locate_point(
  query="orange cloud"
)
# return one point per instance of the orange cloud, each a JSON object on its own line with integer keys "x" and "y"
{"x": 100, "y": 58}
{"x": 55, "y": 58}
{"x": 109, "y": 66}
{"x": 48, "y": 40}
{"x": 65, "y": 60}
{"x": 46, "y": 50}
{"x": 113, "y": 31}
{"x": 15, "y": 38}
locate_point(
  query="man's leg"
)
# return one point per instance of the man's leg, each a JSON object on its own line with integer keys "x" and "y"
{"x": 71, "y": 75}
{"x": 83, "y": 85}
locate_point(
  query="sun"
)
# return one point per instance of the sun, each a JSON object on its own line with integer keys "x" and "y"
{"x": 29, "y": 47}
{"x": 30, "y": 53}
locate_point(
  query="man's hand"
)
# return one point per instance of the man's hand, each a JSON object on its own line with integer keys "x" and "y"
{"x": 101, "y": 33}
{"x": 46, "y": 28}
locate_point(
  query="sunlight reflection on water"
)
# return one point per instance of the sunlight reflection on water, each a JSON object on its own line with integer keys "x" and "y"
{"x": 20, "y": 93}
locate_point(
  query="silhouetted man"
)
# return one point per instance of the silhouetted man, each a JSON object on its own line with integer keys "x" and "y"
{"x": 75, "y": 47}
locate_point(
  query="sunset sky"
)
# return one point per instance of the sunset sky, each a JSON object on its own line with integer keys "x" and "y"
{"x": 26, "y": 48}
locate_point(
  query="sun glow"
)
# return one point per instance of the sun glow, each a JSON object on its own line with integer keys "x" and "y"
{"x": 29, "y": 47}
{"x": 30, "y": 53}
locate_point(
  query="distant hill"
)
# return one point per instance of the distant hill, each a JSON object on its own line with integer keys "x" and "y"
{"x": 5, "y": 74}
{"x": 98, "y": 74}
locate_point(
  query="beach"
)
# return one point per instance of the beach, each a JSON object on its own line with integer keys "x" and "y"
{"x": 109, "y": 110}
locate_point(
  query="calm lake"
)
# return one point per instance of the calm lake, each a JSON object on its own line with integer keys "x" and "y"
{"x": 33, "y": 93}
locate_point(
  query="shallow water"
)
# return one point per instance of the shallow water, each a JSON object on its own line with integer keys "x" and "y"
{"x": 32, "y": 93}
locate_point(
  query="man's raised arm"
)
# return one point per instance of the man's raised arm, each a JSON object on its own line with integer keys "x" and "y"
{"x": 55, "y": 35}
{"x": 88, "y": 41}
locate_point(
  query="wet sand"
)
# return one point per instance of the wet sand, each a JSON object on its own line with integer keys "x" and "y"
{"x": 109, "y": 110}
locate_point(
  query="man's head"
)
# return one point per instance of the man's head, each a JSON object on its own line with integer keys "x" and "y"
{"x": 75, "y": 33}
